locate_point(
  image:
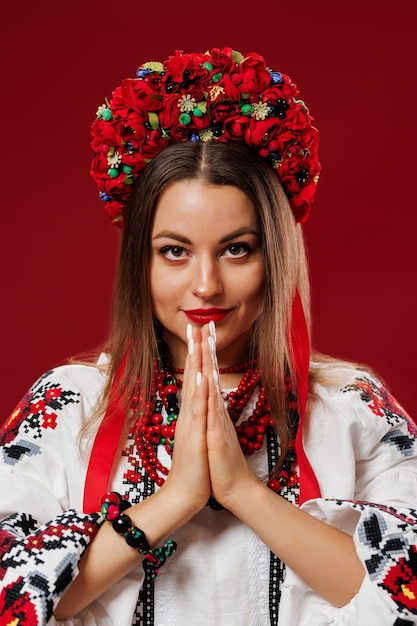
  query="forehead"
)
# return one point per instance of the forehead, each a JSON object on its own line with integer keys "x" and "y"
{"x": 194, "y": 204}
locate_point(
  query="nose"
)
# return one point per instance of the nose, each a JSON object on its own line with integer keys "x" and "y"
{"x": 207, "y": 281}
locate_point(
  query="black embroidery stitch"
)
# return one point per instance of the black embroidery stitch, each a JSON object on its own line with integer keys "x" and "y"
{"x": 402, "y": 442}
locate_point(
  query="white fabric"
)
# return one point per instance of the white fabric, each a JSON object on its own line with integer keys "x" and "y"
{"x": 220, "y": 573}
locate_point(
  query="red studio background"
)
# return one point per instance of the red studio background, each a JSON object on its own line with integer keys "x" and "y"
{"x": 355, "y": 65}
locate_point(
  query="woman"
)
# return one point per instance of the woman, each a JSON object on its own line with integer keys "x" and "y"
{"x": 211, "y": 404}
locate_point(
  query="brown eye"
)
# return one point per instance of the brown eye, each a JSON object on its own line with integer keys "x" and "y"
{"x": 173, "y": 252}
{"x": 237, "y": 250}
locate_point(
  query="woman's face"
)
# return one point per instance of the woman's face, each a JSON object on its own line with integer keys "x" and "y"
{"x": 206, "y": 264}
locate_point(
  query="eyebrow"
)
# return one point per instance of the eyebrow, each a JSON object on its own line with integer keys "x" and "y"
{"x": 246, "y": 230}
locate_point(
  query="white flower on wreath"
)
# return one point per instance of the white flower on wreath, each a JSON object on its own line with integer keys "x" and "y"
{"x": 114, "y": 159}
{"x": 100, "y": 110}
{"x": 186, "y": 104}
{"x": 260, "y": 110}
{"x": 206, "y": 135}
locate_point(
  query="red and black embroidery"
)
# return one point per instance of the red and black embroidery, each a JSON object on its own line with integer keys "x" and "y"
{"x": 388, "y": 538}
{"x": 39, "y": 563}
{"x": 380, "y": 401}
{"x": 392, "y": 561}
{"x": 16, "y": 607}
{"x": 401, "y": 581}
{"x": 409, "y": 517}
{"x": 38, "y": 410}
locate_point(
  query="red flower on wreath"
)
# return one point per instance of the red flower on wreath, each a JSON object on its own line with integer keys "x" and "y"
{"x": 219, "y": 95}
{"x": 179, "y": 65}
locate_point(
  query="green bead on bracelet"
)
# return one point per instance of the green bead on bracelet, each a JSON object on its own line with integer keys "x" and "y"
{"x": 112, "y": 506}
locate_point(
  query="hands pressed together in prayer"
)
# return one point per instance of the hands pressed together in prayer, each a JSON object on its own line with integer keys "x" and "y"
{"x": 207, "y": 456}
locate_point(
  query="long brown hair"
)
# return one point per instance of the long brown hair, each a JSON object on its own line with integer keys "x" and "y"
{"x": 133, "y": 339}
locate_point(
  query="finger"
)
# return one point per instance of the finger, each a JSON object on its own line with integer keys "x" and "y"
{"x": 192, "y": 421}
{"x": 212, "y": 342}
{"x": 211, "y": 369}
{"x": 215, "y": 404}
{"x": 208, "y": 348}
{"x": 200, "y": 400}
{"x": 190, "y": 352}
{"x": 193, "y": 364}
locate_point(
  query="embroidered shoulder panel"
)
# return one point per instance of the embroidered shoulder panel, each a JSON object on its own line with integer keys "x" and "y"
{"x": 380, "y": 401}
{"x": 38, "y": 411}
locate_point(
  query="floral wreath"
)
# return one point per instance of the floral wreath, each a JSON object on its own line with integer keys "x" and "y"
{"x": 219, "y": 95}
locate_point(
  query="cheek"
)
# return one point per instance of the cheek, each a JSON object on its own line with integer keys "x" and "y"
{"x": 257, "y": 296}
{"x": 159, "y": 295}
{"x": 165, "y": 293}
{"x": 255, "y": 284}
{"x": 157, "y": 286}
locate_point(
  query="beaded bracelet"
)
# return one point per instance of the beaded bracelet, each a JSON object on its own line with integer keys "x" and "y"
{"x": 112, "y": 506}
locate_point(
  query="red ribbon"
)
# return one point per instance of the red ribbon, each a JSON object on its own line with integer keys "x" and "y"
{"x": 104, "y": 448}
{"x": 300, "y": 345}
{"x": 108, "y": 435}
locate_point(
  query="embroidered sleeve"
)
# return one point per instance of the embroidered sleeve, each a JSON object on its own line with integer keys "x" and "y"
{"x": 386, "y": 540}
{"x": 42, "y": 534}
{"x": 386, "y": 543}
{"x": 386, "y": 535}
{"x": 382, "y": 517}
{"x": 39, "y": 562}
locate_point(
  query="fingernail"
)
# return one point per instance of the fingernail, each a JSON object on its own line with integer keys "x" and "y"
{"x": 190, "y": 339}
{"x": 189, "y": 332}
{"x": 212, "y": 329}
{"x": 198, "y": 379}
{"x": 211, "y": 344}
{"x": 215, "y": 376}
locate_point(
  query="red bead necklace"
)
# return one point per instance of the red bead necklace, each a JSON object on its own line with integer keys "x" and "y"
{"x": 152, "y": 432}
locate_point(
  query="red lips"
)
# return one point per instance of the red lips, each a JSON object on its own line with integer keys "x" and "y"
{"x": 204, "y": 316}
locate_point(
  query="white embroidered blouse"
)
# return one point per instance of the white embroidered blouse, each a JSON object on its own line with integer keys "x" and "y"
{"x": 363, "y": 450}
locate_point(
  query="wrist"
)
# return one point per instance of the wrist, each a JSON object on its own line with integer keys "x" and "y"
{"x": 244, "y": 493}
{"x": 178, "y": 502}
{"x": 163, "y": 513}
